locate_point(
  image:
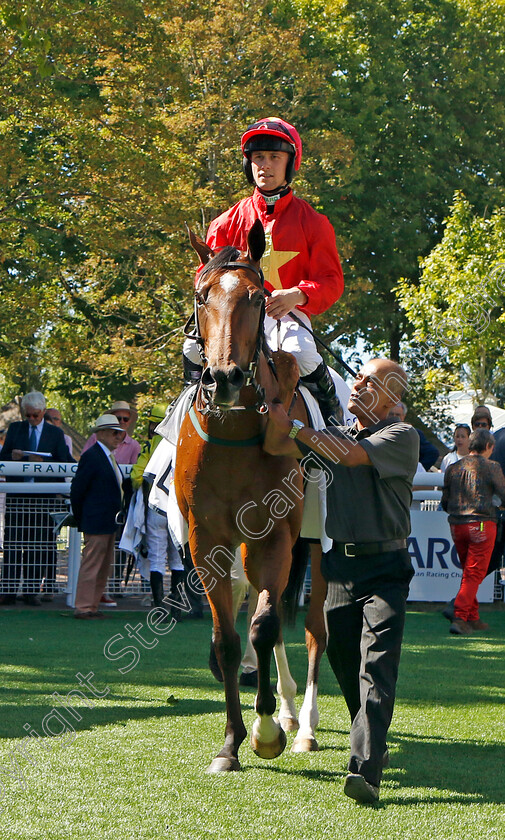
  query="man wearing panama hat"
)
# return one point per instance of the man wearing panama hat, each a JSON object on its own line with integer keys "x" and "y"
{"x": 96, "y": 496}
{"x": 127, "y": 452}
{"x": 129, "y": 449}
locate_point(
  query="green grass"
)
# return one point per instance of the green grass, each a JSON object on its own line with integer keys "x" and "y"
{"x": 135, "y": 768}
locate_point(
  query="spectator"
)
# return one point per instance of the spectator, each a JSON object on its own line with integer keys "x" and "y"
{"x": 126, "y": 453}
{"x": 461, "y": 443}
{"x": 467, "y": 497}
{"x": 499, "y": 448}
{"x": 481, "y": 418}
{"x": 428, "y": 453}
{"x": 126, "y": 416}
{"x": 3, "y": 432}
{"x": 53, "y": 416}
{"x": 29, "y": 541}
{"x": 498, "y": 455}
{"x": 368, "y": 568}
{"x": 96, "y": 496}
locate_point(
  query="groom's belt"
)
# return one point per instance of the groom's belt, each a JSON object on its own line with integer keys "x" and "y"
{"x": 357, "y": 549}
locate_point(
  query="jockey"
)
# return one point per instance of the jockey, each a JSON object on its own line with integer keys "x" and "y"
{"x": 301, "y": 264}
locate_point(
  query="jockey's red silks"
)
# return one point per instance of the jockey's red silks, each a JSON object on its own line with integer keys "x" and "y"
{"x": 301, "y": 249}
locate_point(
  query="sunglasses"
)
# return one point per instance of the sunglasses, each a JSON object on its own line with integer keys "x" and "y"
{"x": 116, "y": 433}
{"x": 463, "y": 426}
{"x": 482, "y": 424}
{"x": 122, "y": 419}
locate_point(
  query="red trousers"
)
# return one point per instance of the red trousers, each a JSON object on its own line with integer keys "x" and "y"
{"x": 474, "y": 543}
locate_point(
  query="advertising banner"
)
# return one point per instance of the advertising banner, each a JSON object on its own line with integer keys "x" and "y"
{"x": 435, "y": 560}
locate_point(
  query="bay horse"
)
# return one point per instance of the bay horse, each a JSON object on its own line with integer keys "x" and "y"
{"x": 223, "y": 476}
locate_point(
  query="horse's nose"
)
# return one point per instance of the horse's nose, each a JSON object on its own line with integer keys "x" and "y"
{"x": 208, "y": 380}
{"x": 235, "y": 377}
{"x": 216, "y": 377}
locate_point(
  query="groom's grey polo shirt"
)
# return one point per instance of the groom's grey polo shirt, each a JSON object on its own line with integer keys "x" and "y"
{"x": 371, "y": 503}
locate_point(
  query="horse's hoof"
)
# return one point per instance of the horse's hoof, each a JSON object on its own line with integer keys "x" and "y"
{"x": 275, "y": 744}
{"x": 306, "y": 743}
{"x": 223, "y": 765}
{"x": 289, "y": 724}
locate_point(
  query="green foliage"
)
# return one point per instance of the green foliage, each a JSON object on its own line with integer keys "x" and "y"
{"x": 120, "y": 120}
{"x": 457, "y": 309}
{"x": 129, "y": 129}
{"x": 418, "y": 91}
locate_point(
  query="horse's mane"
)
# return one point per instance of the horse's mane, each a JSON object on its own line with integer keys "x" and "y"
{"x": 226, "y": 255}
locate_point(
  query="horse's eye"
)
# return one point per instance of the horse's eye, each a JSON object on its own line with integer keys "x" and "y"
{"x": 199, "y": 299}
{"x": 257, "y": 299}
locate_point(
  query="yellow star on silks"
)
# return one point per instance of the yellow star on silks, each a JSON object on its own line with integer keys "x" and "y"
{"x": 273, "y": 260}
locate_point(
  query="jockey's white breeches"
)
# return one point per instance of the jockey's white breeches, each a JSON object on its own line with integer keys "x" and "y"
{"x": 289, "y": 336}
{"x": 160, "y": 547}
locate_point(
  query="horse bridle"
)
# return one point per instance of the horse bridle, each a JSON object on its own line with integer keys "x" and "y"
{"x": 192, "y": 331}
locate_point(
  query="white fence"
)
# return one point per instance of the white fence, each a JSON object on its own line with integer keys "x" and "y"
{"x": 38, "y": 554}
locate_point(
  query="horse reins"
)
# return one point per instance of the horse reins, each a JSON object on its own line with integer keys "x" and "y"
{"x": 317, "y": 338}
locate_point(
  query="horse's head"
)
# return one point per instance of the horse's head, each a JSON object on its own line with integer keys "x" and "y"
{"x": 230, "y": 306}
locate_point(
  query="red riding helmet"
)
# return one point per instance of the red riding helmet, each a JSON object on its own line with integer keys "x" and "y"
{"x": 272, "y": 135}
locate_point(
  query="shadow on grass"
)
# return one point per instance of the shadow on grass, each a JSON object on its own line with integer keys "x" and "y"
{"x": 304, "y": 772}
{"x": 465, "y": 771}
{"x": 11, "y": 726}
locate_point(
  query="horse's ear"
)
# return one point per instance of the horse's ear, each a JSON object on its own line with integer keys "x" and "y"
{"x": 256, "y": 241}
{"x": 202, "y": 249}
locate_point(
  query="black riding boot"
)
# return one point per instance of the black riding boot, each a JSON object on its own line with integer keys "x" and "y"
{"x": 177, "y": 576}
{"x": 322, "y": 386}
{"x": 192, "y": 372}
{"x": 156, "y": 580}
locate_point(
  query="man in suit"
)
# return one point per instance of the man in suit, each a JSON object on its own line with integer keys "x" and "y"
{"x": 29, "y": 542}
{"x": 96, "y": 496}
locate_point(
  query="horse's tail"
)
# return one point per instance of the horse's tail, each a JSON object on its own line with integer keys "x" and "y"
{"x": 291, "y": 596}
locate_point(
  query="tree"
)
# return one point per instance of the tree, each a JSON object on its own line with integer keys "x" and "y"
{"x": 457, "y": 310}
{"x": 120, "y": 121}
{"x": 417, "y": 89}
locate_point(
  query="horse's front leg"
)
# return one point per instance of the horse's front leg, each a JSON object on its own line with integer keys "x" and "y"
{"x": 268, "y": 739}
{"x": 269, "y": 575}
{"x": 315, "y": 639}
{"x": 227, "y": 648}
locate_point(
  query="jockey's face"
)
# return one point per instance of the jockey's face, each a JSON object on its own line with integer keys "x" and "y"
{"x": 269, "y": 169}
